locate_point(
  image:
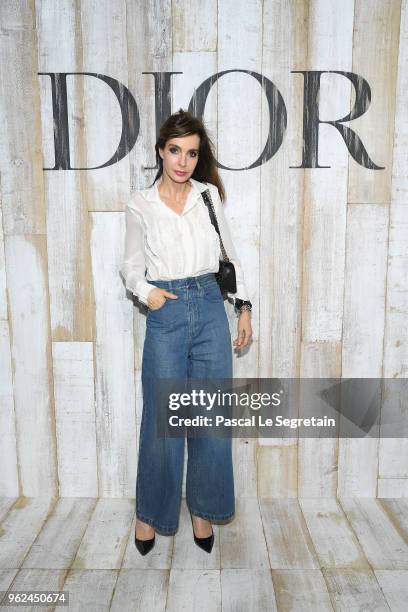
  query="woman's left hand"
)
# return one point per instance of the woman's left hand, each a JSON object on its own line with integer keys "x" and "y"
{"x": 244, "y": 330}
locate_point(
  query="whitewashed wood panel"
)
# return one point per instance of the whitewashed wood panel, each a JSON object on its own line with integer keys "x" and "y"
{"x": 280, "y": 242}
{"x": 289, "y": 543}
{"x": 301, "y": 590}
{"x": 382, "y": 544}
{"x": 20, "y": 528}
{"x": 375, "y": 58}
{"x": 394, "y": 585}
{"x": 22, "y": 182}
{"x": 392, "y": 487}
{"x": 194, "y": 590}
{"x": 325, "y": 195}
{"x": 5, "y": 505}
{"x": 149, "y": 49}
{"x": 146, "y": 587}
{"x": 103, "y": 51}
{"x": 393, "y": 452}
{"x": 247, "y": 589}
{"x": 32, "y": 364}
{"x": 3, "y": 293}
{"x": 9, "y": 479}
{"x": 354, "y": 590}
{"x": 277, "y": 466}
{"x": 71, "y": 299}
{"x": 56, "y": 545}
{"x": 317, "y": 467}
{"x": 317, "y": 457}
{"x": 363, "y": 334}
{"x": 333, "y": 538}
{"x": 399, "y": 186}
{"x": 194, "y": 26}
{"x": 323, "y": 226}
{"x": 23, "y": 226}
{"x": 397, "y": 512}
{"x": 105, "y": 538}
{"x": 6, "y": 578}
{"x": 242, "y": 541}
{"x": 90, "y": 589}
{"x": 380, "y": 22}
{"x": 75, "y": 418}
{"x": 244, "y": 454}
{"x": 357, "y": 467}
{"x": 115, "y": 381}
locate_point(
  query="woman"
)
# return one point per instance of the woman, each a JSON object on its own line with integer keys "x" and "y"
{"x": 169, "y": 234}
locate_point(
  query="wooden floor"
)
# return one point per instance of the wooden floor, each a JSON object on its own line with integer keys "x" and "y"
{"x": 277, "y": 554}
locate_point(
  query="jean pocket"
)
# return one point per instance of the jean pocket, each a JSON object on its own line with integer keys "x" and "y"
{"x": 212, "y": 292}
{"x": 151, "y": 310}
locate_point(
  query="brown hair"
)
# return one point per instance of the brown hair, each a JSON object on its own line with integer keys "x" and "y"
{"x": 184, "y": 123}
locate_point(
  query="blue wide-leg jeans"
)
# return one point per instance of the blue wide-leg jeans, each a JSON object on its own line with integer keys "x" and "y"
{"x": 187, "y": 337}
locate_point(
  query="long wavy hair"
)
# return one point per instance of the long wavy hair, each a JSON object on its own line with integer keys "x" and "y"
{"x": 184, "y": 123}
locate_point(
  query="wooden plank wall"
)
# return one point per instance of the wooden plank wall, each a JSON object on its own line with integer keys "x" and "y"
{"x": 324, "y": 250}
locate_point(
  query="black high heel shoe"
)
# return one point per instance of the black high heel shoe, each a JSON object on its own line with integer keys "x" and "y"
{"x": 204, "y": 543}
{"x": 144, "y": 546}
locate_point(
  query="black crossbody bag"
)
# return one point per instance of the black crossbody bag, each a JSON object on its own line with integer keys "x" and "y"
{"x": 225, "y": 276}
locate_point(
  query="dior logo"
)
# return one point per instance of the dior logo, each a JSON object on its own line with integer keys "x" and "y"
{"x": 276, "y": 106}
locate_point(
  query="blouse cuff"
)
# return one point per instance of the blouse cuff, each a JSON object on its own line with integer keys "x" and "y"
{"x": 140, "y": 288}
{"x": 242, "y": 291}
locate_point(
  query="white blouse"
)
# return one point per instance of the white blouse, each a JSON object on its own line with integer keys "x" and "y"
{"x": 162, "y": 244}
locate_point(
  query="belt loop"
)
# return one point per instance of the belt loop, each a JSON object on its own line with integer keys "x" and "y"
{"x": 170, "y": 286}
{"x": 197, "y": 282}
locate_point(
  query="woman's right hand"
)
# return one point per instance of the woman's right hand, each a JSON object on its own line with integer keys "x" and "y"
{"x": 157, "y": 297}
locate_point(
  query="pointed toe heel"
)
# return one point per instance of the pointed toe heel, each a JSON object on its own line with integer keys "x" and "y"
{"x": 204, "y": 543}
{"x": 144, "y": 546}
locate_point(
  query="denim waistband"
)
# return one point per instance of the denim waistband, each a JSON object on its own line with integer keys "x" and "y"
{"x": 183, "y": 283}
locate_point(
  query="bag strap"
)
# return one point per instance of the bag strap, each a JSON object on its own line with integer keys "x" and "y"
{"x": 208, "y": 202}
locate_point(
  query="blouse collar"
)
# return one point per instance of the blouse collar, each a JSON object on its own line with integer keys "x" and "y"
{"x": 152, "y": 193}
